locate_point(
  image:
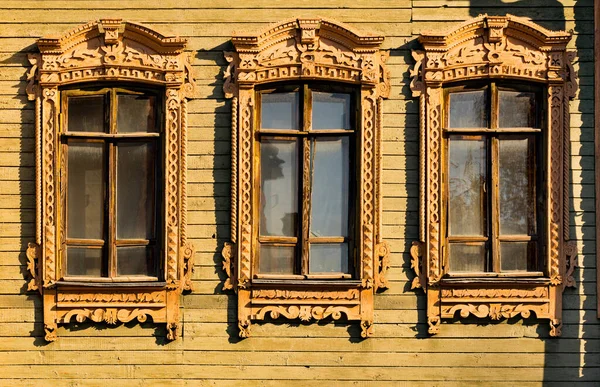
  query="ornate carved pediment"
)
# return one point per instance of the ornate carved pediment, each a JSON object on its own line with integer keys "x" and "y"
{"x": 307, "y": 49}
{"x": 494, "y": 48}
{"x": 301, "y": 50}
{"x": 113, "y": 52}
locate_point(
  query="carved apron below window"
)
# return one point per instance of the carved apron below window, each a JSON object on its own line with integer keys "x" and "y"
{"x": 105, "y": 93}
{"x": 306, "y": 100}
{"x": 494, "y": 171}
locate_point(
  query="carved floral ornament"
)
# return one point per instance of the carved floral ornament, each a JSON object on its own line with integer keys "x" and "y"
{"x": 114, "y": 51}
{"x": 299, "y": 50}
{"x": 494, "y": 47}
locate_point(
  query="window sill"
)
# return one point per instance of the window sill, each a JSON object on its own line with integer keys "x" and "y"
{"x": 308, "y": 282}
{"x": 496, "y": 279}
{"x": 111, "y": 283}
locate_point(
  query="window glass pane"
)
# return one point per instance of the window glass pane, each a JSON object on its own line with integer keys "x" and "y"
{"x": 517, "y": 202}
{"x": 467, "y": 171}
{"x": 331, "y": 110}
{"x": 468, "y": 109}
{"x": 517, "y": 109}
{"x": 84, "y": 261}
{"x": 135, "y": 190}
{"x": 328, "y": 258}
{"x": 279, "y": 187}
{"x": 135, "y": 260}
{"x": 276, "y": 259}
{"x": 467, "y": 257}
{"x": 135, "y": 113}
{"x": 514, "y": 256}
{"x": 280, "y": 111}
{"x": 86, "y": 114}
{"x": 330, "y": 186}
{"x": 86, "y": 190}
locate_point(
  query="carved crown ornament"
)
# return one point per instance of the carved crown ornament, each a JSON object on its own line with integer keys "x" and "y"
{"x": 109, "y": 52}
{"x": 302, "y": 50}
{"x": 494, "y": 48}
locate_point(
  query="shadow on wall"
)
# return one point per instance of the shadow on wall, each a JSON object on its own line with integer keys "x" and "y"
{"x": 568, "y": 358}
{"x": 547, "y": 13}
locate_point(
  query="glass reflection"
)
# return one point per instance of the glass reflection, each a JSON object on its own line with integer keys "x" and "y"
{"x": 84, "y": 261}
{"x": 331, "y": 110}
{"x": 136, "y": 114}
{"x": 513, "y": 256}
{"x": 276, "y": 259}
{"x": 468, "y": 109}
{"x": 135, "y": 190}
{"x": 86, "y": 190}
{"x": 467, "y": 177}
{"x": 330, "y": 185}
{"x": 467, "y": 257}
{"x": 279, "y": 187}
{"x": 328, "y": 258}
{"x": 280, "y": 111}
{"x": 86, "y": 114}
{"x": 516, "y": 188}
{"x": 517, "y": 109}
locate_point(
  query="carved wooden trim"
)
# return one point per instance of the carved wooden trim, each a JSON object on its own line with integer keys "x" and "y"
{"x": 494, "y": 47}
{"x": 114, "y": 51}
{"x": 298, "y": 50}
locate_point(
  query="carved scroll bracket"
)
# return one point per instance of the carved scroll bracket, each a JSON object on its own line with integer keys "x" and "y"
{"x": 301, "y": 50}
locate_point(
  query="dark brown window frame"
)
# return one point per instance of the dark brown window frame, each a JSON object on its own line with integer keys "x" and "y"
{"x": 110, "y": 139}
{"x": 304, "y": 135}
{"x": 492, "y": 134}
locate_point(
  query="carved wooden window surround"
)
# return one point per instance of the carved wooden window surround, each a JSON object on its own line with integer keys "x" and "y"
{"x": 302, "y": 52}
{"x": 495, "y": 50}
{"x": 110, "y": 55}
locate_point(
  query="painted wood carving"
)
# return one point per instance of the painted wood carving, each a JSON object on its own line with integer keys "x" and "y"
{"x": 114, "y": 53}
{"x": 301, "y": 50}
{"x": 494, "y": 49}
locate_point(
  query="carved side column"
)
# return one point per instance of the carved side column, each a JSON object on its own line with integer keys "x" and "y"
{"x": 246, "y": 98}
{"x": 50, "y": 98}
{"x": 555, "y": 204}
{"x": 434, "y": 138}
{"x": 367, "y": 198}
{"x": 172, "y": 209}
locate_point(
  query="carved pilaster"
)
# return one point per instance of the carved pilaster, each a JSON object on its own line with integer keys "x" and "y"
{"x": 368, "y": 185}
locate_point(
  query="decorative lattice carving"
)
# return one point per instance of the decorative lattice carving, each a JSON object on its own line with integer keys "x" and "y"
{"x": 494, "y": 47}
{"x": 299, "y": 50}
{"x": 109, "y": 50}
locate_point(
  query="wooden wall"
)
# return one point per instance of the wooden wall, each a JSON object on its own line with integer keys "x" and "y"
{"x": 513, "y": 352}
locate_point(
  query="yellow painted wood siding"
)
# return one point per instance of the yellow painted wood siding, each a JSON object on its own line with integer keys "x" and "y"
{"x": 472, "y": 352}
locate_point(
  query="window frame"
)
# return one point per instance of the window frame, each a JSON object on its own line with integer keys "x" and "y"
{"x": 110, "y": 139}
{"x": 300, "y": 51}
{"x": 493, "y": 134}
{"x": 495, "y": 49}
{"x": 302, "y": 136}
{"x": 110, "y": 53}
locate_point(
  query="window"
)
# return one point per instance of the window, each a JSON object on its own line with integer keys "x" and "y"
{"x": 494, "y": 191}
{"x": 111, "y": 110}
{"x": 306, "y": 132}
{"x": 493, "y": 137}
{"x": 307, "y": 141}
{"x": 112, "y": 147}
